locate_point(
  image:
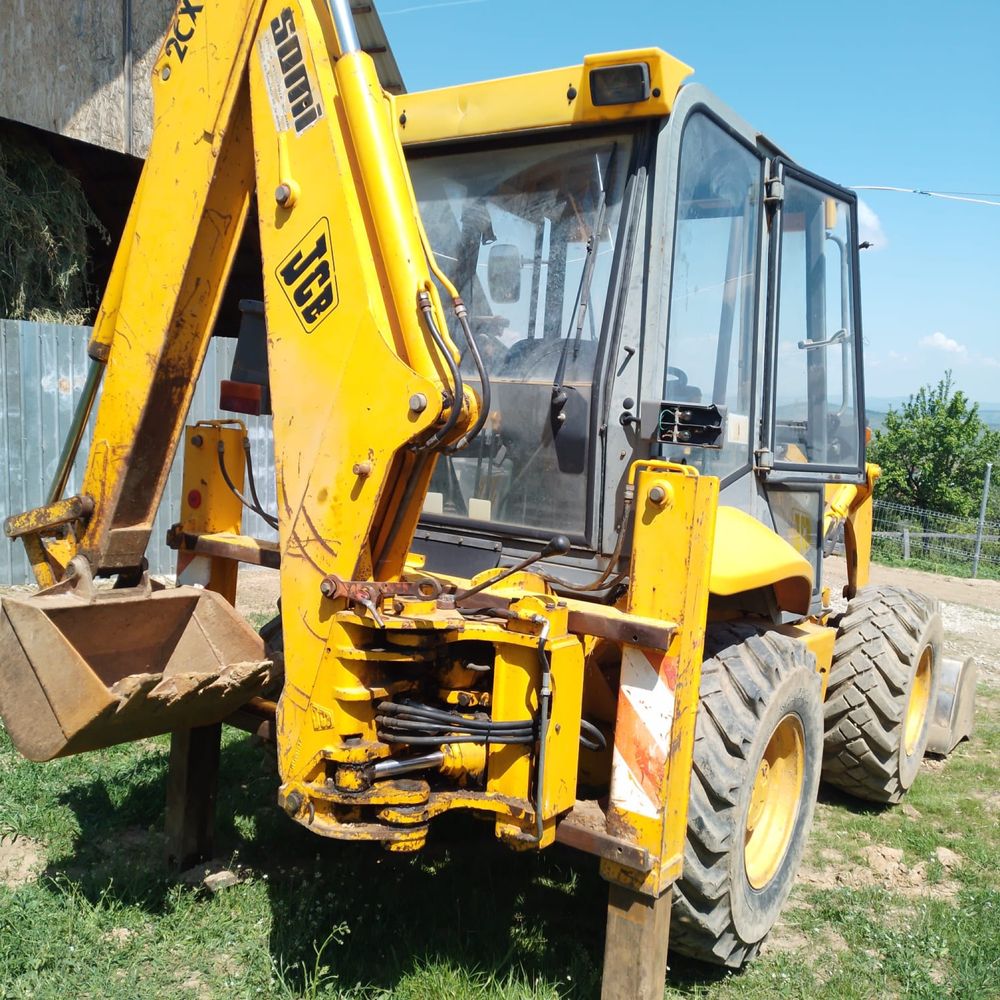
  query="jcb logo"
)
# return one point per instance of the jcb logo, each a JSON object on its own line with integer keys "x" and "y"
{"x": 308, "y": 277}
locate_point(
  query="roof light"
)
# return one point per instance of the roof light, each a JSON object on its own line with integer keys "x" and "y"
{"x": 628, "y": 84}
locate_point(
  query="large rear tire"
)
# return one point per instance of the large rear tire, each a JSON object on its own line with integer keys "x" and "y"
{"x": 757, "y": 754}
{"x": 882, "y": 691}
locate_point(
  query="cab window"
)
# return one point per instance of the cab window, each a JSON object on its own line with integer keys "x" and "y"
{"x": 816, "y": 418}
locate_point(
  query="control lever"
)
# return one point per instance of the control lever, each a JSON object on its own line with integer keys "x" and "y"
{"x": 557, "y": 546}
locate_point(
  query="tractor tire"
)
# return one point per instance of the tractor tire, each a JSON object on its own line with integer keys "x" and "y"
{"x": 757, "y": 757}
{"x": 882, "y": 691}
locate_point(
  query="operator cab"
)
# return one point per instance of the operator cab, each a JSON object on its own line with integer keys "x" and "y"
{"x": 670, "y": 287}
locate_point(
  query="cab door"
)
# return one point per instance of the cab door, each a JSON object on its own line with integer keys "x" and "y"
{"x": 813, "y": 418}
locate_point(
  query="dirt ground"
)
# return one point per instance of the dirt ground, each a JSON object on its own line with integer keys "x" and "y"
{"x": 950, "y": 589}
{"x": 970, "y": 609}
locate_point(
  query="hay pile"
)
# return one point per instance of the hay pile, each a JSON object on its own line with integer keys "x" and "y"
{"x": 44, "y": 222}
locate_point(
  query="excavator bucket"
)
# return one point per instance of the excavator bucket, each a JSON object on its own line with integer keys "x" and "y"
{"x": 83, "y": 668}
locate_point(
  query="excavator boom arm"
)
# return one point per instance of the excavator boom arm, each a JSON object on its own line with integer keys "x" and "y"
{"x": 267, "y": 97}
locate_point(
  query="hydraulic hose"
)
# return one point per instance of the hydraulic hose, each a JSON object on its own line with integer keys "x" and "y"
{"x": 462, "y": 315}
{"x": 544, "y": 698}
{"x": 256, "y": 508}
{"x": 458, "y": 391}
{"x": 609, "y": 568}
{"x": 484, "y": 379}
{"x": 269, "y": 518}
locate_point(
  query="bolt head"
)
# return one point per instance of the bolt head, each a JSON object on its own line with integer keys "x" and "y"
{"x": 418, "y": 402}
{"x": 165, "y": 73}
{"x": 661, "y": 494}
{"x": 282, "y": 194}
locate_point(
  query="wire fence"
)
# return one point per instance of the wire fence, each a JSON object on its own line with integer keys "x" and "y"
{"x": 942, "y": 543}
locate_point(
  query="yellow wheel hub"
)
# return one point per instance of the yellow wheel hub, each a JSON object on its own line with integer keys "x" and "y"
{"x": 916, "y": 707}
{"x": 774, "y": 802}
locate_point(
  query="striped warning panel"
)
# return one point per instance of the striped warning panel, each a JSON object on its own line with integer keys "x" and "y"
{"x": 642, "y": 731}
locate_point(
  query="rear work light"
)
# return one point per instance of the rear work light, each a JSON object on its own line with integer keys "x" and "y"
{"x": 628, "y": 84}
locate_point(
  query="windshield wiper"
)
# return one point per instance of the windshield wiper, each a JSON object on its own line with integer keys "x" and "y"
{"x": 559, "y": 395}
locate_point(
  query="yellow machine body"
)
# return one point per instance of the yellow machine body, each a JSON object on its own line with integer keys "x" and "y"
{"x": 538, "y": 692}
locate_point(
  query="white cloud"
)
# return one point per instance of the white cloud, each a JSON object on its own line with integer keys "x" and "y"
{"x": 871, "y": 227}
{"x": 937, "y": 341}
{"x": 430, "y": 6}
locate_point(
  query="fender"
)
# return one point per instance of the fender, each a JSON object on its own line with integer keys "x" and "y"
{"x": 747, "y": 555}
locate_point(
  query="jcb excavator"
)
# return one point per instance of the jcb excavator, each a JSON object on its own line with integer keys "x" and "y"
{"x": 566, "y": 382}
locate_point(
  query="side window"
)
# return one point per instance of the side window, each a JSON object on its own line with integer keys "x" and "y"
{"x": 816, "y": 419}
{"x": 710, "y": 344}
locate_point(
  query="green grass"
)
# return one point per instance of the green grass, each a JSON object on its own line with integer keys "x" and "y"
{"x": 888, "y": 555}
{"x": 465, "y": 918}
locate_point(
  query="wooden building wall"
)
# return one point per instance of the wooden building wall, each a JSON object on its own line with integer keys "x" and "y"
{"x": 81, "y": 68}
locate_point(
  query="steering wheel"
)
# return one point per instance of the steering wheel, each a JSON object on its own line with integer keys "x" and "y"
{"x": 679, "y": 375}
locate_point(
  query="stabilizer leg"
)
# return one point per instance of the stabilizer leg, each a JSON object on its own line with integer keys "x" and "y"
{"x": 635, "y": 949}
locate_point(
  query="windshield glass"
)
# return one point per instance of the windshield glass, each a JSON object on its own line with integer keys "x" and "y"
{"x": 513, "y": 229}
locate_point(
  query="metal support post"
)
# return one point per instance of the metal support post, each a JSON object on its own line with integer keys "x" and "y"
{"x": 193, "y": 778}
{"x": 192, "y": 783}
{"x": 636, "y": 945}
{"x": 982, "y": 519}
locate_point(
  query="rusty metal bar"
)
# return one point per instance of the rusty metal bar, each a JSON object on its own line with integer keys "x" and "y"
{"x": 42, "y": 519}
{"x": 239, "y": 548}
{"x": 582, "y": 828}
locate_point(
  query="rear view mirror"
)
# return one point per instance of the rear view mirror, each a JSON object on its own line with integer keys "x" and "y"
{"x": 504, "y": 272}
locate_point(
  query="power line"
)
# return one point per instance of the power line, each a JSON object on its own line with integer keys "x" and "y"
{"x": 948, "y": 196}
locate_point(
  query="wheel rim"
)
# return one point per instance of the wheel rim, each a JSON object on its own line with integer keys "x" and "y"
{"x": 916, "y": 707}
{"x": 774, "y": 802}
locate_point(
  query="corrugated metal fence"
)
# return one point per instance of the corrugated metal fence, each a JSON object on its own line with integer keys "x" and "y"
{"x": 42, "y": 370}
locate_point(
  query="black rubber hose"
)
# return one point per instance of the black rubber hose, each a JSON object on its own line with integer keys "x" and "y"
{"x": 436, "y": 741}
{"x": 608, "y": 569}
{"x": 221, "y": 451}
{"x": 428, "y": 728}
{"x": 594, "y": 738}
{"x": 269, "y": 518}
{"x": 544, "y": 696}
{"x": 484, "y": 381}
{"x": 424, "y": 713}
{"x": 424, "y": 301}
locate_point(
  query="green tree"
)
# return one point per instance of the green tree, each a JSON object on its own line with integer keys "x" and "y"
{"x": 933, "y": 451}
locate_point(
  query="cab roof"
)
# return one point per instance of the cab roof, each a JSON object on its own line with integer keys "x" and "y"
{"x": 550, "y": 99}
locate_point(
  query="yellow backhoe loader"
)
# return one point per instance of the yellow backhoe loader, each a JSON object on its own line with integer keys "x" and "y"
{"x": 566, "y": 383}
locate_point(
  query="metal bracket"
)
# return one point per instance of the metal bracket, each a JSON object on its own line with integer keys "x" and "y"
{"x": 370, "y": 593}
{"x": 43, "y": 520}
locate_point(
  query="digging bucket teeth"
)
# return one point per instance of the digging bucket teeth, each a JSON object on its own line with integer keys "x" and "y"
{"x": 83, "y": 668}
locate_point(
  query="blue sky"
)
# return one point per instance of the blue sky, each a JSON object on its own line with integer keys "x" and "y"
{"x": 880, "y": 92}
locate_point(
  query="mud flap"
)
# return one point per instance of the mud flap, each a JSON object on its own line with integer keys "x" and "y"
{"x": 83, "y": 668}
{"x": 952, "y": 716}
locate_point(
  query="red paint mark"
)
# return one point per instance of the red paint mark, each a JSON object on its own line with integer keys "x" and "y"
{"x": 641, "y": 752}
{"x": 668, "y": 671}
{"x": 665, "y": 667}
{"x": 194, "y": 499}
